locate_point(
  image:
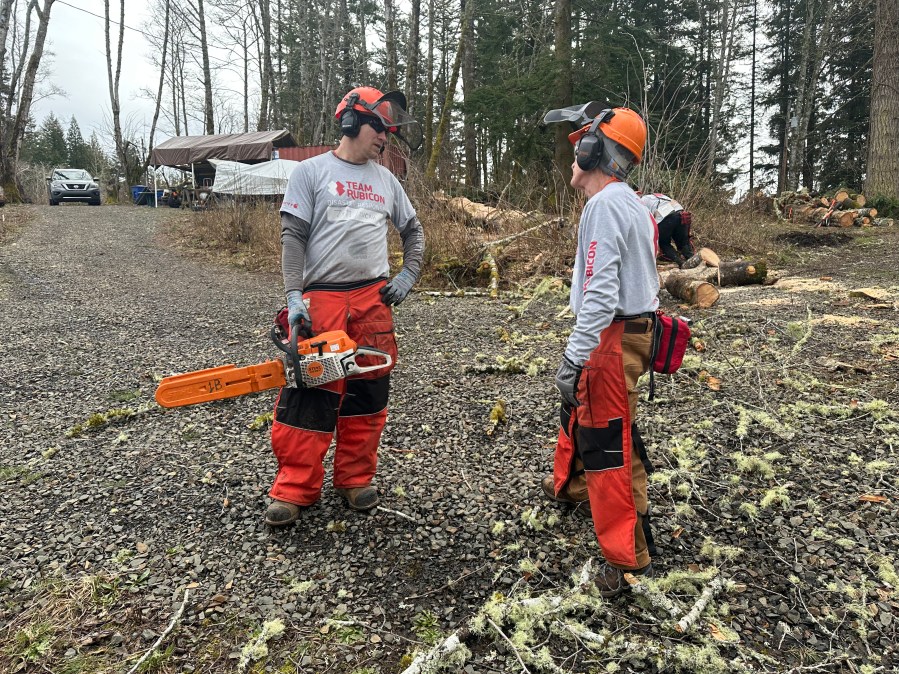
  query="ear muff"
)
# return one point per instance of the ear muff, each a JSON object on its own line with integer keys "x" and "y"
{"x": 349, "y": 118}
{"x": 589, "y": 149}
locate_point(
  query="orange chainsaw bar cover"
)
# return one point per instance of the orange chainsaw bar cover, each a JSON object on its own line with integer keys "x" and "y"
{"x": 217, "y": 383}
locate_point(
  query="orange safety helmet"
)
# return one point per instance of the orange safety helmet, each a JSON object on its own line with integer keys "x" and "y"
{"x": 389, "y": 109}
{"x": 627, "y": 131}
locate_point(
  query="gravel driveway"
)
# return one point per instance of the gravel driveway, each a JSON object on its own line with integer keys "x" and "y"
{"x": 97, "y": 482}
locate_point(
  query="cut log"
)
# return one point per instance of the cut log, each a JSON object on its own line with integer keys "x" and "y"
{"x": 698, "y": 293}
{"x": 883, "y": 222}
{"x": 824, "y": 201}
{"x": 862, "y": 222}
{"x": 739, "y": 273}
{"x": 867, "y": 212}
{"x": 860, "y": 199}
{"x": 849, "y": 203}
{"x": 703, "y": 255}
{"x": 843, "y": 218}
{"x": 841, "y": 195}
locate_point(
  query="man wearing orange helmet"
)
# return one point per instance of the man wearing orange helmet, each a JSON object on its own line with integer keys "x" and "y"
{"x": 335, "y": 267}
{"x": 599, "y": 455}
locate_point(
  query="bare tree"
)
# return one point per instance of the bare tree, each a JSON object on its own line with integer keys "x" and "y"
{"x": 20, "y": 93}
{"x": 468, "y": 6}
{"x": 815, "y": 39}
{"x": 113, "y": 80}
{"x": 162, "y": 65}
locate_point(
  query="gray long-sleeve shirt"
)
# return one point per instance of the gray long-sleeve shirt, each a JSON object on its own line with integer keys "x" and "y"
{"x": 334, "y": 223}
{"x": 614, "y": 268}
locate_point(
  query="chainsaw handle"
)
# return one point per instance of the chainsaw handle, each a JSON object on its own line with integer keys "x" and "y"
{"x": 277, "y": 335}
{"x": 369, "y": 351}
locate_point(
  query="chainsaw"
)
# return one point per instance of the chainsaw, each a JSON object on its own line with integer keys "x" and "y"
{"x": 312, "y": 362}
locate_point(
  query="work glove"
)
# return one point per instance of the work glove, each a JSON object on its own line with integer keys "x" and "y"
{"x": 567, "y": 378}
{"x": 298, "y": 314}
{"x": 398, "y": 287}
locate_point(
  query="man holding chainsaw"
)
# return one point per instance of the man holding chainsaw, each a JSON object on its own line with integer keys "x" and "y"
{"x": 599, "y": 455}
{"x": 335, "y": 267}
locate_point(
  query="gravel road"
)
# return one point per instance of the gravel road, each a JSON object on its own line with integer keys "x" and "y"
{"x": 97, "y": 482}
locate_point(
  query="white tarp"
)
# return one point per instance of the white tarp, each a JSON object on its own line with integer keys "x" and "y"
{"x": 269, "y": 177}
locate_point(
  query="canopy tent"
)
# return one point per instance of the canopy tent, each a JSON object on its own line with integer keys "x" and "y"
{"x": 256, "y": 146}
{"x": 269, "y": 177}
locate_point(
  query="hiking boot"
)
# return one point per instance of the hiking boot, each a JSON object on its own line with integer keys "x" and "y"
{"x": 549, "y": 488}
{"x": 360, "y": 498}
{"x": 610, "y": 580}
{"x": 581, "y": 507}
{"x": 281, "y": 513}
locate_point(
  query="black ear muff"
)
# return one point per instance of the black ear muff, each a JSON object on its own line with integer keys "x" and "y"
{"x": 349, "y": 118}
{"x": 588, "y": 151}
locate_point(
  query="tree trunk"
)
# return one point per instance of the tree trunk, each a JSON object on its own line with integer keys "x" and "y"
{"x": 698, "y": 293}
{"x": 113, "y": 79}
{"x": 727, "y": 31}
{"x": 207, "y": 72}
{"x": 468, "y": 87}
{"x": 11, "y": 142}
{"x": 563, "y": 154}
{"x": 267, "y": 88}
{"x": 390, "y": 43}
{"x": 703, "y": 256}
{"x": 412, "y": 56}
{"x": 431, "y": 172}
{"x": 738, "y": 273}
{"x": 165, "y": 47}
{"x": 429, "y": 103}
{"x": 883, "y": 139}
{"x": 814, "y": 45}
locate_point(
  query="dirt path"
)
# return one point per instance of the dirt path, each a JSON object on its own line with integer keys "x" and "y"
{"x": 783, "y": 480}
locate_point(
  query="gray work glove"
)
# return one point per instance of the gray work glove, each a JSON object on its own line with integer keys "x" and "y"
{"x": 567, "y": 378}
{"x": 298, "y": 314}
{"x": 398, "y": 287}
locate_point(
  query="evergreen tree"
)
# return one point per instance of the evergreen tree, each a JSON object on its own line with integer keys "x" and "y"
{"x": 77, "y": 150}
{"x": 47, "y": 145}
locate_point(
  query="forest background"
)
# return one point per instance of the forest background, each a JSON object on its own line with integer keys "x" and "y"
{"x": 798, "y": 94}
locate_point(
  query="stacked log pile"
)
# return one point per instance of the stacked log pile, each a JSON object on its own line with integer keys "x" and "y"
{"x": 697, "y": 282}
{"x": 840, "y": 210}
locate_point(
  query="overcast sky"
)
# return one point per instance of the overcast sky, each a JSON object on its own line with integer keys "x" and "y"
{"x": 76, "y": 40}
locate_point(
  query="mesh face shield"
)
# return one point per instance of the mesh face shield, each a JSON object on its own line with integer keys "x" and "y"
{"x": 390, "y": 110}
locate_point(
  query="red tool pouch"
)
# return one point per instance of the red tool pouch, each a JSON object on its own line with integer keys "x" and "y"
{"x": 672, "y": 334}
{"x": 686, "y": 218}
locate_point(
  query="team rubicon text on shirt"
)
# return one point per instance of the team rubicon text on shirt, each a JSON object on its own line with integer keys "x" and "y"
{"x": 355, "y": 190}
{"x": 591, "y": 259}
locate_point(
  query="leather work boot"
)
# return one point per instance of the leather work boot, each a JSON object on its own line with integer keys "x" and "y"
{"x": 281, "y": 513}
{"x": 610, "y": 580}
{"x": 360, "y": 498}
{"x": 581, "y": 507}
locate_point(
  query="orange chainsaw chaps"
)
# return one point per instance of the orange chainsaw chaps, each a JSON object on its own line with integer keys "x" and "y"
{"x": 217, "y": 383}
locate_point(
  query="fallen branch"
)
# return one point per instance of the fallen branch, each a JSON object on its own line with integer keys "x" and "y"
{"x": 447, "y": 647}
{"x": 711, "y": 590}
{"x": 396, "y": 512}
{"x": 492, "y": 624}
{"x": 174, "y": 621}
{"x": 656, "y": 598}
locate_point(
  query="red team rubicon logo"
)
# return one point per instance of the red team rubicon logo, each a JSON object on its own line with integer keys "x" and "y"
{"x": 353, "y": 190}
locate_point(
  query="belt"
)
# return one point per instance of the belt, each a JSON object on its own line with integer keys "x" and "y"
{"x": 637, "y": 327}
{"x": 633, "y": 323}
